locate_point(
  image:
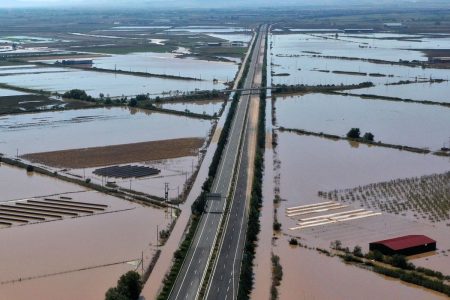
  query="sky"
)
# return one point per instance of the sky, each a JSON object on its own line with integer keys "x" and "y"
{"x": 193, "y": 3}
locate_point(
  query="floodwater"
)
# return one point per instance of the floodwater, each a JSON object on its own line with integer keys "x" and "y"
{"x": 309, "y": 275}
{"x": 410, "y": 124}
{"x": 208, "y": 29}
{"x": 262, "y": 264}
{"x": 296, "y": 43}
{"x": 5, "y": 92}
{"x": 242, "y": 37}
{"x": 36, "y": 185}
{"x": 324, "y": 165}
{"x": 114, "y": 85}
{"x": 397, "y": 41}
{"x": 304, "y": 68}
{"x": 70, "y": 244}
{"x": 50, "y": 131}
{"x": 311, "y": 164}
{"x": 169, "y": 64}
{"x": 438, "y": 92}
{"x": 29, "y": 70}
{"x": 199, "y": 107}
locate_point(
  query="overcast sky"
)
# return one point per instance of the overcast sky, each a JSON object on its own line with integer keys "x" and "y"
{"x": 191, "y": 3}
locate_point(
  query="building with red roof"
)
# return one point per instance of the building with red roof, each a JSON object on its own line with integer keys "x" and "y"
{"x": 404, "y": 245}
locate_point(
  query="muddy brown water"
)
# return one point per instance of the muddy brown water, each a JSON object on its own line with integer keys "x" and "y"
{"x": 37, "y": 250}
{"x": 310, "y": 164}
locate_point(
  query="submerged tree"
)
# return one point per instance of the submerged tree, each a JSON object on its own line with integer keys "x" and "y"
{"x": 354, "y": 133}
{"x": 129, "y": 287}
{"x": 368, "y": 136}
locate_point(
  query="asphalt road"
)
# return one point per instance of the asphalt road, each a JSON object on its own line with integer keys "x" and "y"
{"x": 190, "y": 278}
{"x": 225, "y": 276}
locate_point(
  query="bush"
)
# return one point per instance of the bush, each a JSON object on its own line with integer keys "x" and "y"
{"x": 142, "y": 97}
{"x": 30, "y": 168}
{"x": 276, "y": 226}
{"x": 336, "y": 245}
{"x": 357, "y": 251}
{"x": 401, "y": 262}
{"x": 376, "y": 255}
{"x": 78, "y": 95}
{"x": 293, "y": 242}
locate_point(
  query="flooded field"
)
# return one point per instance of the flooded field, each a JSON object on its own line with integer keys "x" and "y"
{"x": 94, "y": 83}
{"x": 296, "y": 61}
{"x": 324, "y": 165}
{"x": 438, "y": 92}
{"x": 309, "y": 275}
{"x": 51, "y": 131}
{"x": 36, "y": 185}
{"x": 169, "y": 64}
{"x": 390, "y": 122}
{"x": 208, "y": 29}
{"x": 63, "y": 247}
{"x": 306, "y": 165}
{"x": 199, "y": 107}
{"x": 6, "y": 92}
{"x": 323, "y": 45}
{"x": 176, "y": 172}
{"x": 242, "y": 37}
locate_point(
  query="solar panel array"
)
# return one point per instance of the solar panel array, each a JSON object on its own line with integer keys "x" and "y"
{"x": 42, "y": 210}
{"x": 127, "y": 171}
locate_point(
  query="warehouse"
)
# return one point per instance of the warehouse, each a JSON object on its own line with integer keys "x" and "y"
{"x": 405, "y": 245}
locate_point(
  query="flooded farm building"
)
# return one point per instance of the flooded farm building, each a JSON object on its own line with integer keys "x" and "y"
{"x": 405, "y": 245}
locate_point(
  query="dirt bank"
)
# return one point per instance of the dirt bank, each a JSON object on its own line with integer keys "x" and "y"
{"x": 117, "y": 154}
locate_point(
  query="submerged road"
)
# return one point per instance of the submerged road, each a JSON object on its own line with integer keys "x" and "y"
{"x": 190, "y": 279}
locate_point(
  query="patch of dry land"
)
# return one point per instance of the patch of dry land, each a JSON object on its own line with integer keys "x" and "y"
{"x": 117, "y": 154}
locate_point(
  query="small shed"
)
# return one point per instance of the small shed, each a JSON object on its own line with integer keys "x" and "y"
{"x": 404, "y": 245}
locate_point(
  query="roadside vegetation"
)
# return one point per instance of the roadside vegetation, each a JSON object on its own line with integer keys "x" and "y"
{"x": 253, "y": 226}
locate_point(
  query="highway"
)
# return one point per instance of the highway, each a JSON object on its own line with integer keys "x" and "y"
{"x": 225, "y": 275}
{"x": 189, "y": 281}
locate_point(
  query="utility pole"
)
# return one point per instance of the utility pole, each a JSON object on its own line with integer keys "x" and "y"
{"x": 142, "y": 264}
{"x": 166, "y": 191}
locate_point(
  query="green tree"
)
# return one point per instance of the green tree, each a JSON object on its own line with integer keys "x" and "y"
{"x": 130, "y": 285}
{"x": 114, "y": 294}
{"x": 368, "y": 136}
{"x": 132, "y": 103}
{"x": 354, "y": 133}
